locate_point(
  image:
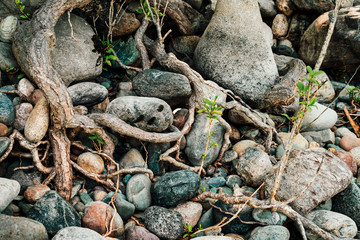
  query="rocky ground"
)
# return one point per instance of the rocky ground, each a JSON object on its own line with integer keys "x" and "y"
{"x": 258, "y": 51}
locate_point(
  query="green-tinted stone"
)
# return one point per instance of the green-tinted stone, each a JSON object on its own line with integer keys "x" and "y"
{"x": 85, "y": 198}
{"x": 126, "y": 51}
{"x": 7, "y": 111}
{"x": 4, "y": 144}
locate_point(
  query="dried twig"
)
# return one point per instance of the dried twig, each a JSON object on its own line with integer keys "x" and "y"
{"x": 352, "y": 122}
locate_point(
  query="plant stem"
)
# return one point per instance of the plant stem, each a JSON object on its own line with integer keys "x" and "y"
{"x": 207, "y": 144}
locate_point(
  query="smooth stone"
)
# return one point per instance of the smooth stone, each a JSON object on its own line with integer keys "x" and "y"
{"x": 50, "y": 209}
{"x": 280, "y": 25}
{"x": 326, "y": 92}
{"x": 33, "y": 193}
{"x": 7, "y": 111}
{"x": 79, "y": 206}
{"x": 126, "y": 51}
{"x": 267, "y": 8}
{"x": 98, "y": 217}
{"x": 139, "y": 233}
{"x": 234, "y": 226}
{"x": 4, "y": 144}
{"x": 268, "y": 217}
{"x": 7, "y": 28}
{"x": 213, "y": 238}
{"x": 91, "y": 162}
{"x": 242, "y": 145}
{"x": 77, "y": 233}
{"x": 171, "y": 87}
{"x": 37, "y": 123}
{"x": 75, "y": 60}
{"x": 197, "y": 138}
{"x": 285, "y": 42}
{"x": 190, "y": 211}
{"x": 347, "y": 203}
{"x": 282, "y": 63}
{"x": 229, "y": 156}
{"x": 124, "y": 208}
{"x": 149, "y": 114}
{"x": 25, "y": 87}
{"x": 127, "y": 25}
{"x": 175, "y": 187}
{"x": 270, "y": 233}
{"x": 220, "y": 172}
{"x": 85, "y": 198}
{"x": 87, "y": 93}
{"x": 326, "y": 120}
{"x": 335, "y": 223}
{"x": 7, "y": 59}
{"x": 99, "y": 195}
{"x": 131, "y": 159}
{"x": 234, "y": 55}
{"x": 232, "y": 180}
{"x": 344, "y": 131}
{"x": 215, "y": 182}
{"x": 253, "y": 166}
{"x": 206, "y": 220}
{"x": 298, "y": 141}
{"x": 21, "y": 228}
{"x": 249, "y": 131}
{"x": 349, "y": 142}
{"x": 324, "y": 136}
{"x": 333, "y": 177}
{"x": 9, "y": 189}
{"x": 164, "y": 223}
{"x": 351, "y": 160}
{"x": 138, "y": 191}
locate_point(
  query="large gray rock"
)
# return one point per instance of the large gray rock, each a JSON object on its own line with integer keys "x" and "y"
{"x": 20, "y": 228}
{"x": 344, "y": 42}
{"x": 197, "y": 138}
{"x": 164, "y": 223}
{"x": 175, "y": 187}
{"x": 9, "y": 189}
{"x": 149, "y": 114}
{"x": 173, "y": 88}
{"x": 87, "y": 93}
{"x": 347, "y": 202}
{"x": 237, "y": 56}
{"x": 333, "y": 177}
{"x": 73, "y": 59}
{"x": 77, "y": 233}
{"x": 54, "y": 212}
{"x": 338, "y": 224}
{"x": 320, "y": 118}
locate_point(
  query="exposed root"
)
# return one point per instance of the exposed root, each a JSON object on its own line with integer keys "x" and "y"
{"x": 129, "y": 171}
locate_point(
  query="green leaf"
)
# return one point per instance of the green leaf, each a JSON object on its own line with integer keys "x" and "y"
{"x": 309, "y": 109}
{"x": 217, "y": 112}
{"x": 100, "y": 140}
{"x": 318, "y": 73}
{"x": 211, "y": 133}
{"x": 287, "y": 116}
{"x": 309, "y": 69}
{"x": 312, "y": 101}
{"x": 207, "y": 101}
{"x": 201, "y": 110}
{"x": 22, "y": 8}
{"x": 214, "y": 117}
{"x": 23, "y": 17}
{"x": 112, "y": 57}
{"x": 300, "y": 86}
{"x": 92, "y": 138}
{"x": 20, "y": 76}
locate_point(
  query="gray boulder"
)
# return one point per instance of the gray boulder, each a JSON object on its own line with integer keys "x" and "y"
{"x": 150, "y": 114}
{"x": 87, "y": 93}
{"x": 54, "y": 212}
{"x": 338, "y": 224}
{"x": 344, "y": 42}
{"x": 173, "y": 88}
{"x": 77, "y": 233}
{"x": 237, "y": 56}
{"x": 333, "y": 177}
{"x": 197, "y": 138}
{"x": 164, "y": 223}
{"x": 20, "y": 228}
{"x": 347, "y": 202}
{"x": 75, "y": 60}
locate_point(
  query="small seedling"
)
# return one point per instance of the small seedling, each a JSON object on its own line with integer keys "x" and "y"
{"x": 107, "y": 52}
{"x": 213, "y": 111}
{"x": 305, "y": 91}
{"x": 21, "y": 7}
{"x": 354, "y": 94}
{"x": 144, "y": 8}
{"x": 97, "y": 141}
